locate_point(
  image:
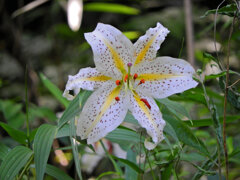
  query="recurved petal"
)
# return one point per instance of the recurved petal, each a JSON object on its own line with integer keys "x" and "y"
{"x": 147, "y": 45}
{"x": 86, "y": 78}
{"x": 146, "y": 111}
{"x": 112, "y": 50}
{"x": 102, "y": 113}
{"x": 165, "y": 76}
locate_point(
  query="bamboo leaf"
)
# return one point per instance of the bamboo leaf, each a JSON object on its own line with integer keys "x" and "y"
{"x": 185, "y": 134}
{"x": 14, "y": 162}
{"x": 42, "y": 145}
{"x": 17, "y": 135}
{"x": 3, "y": 151}
{"x": 74, "y": 107}
{"x": 57, "y": 173}
{"x": 111, "y": 8}
{"x": 56, "y": 92}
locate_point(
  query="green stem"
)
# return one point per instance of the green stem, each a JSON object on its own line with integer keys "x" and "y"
{"x": 119, "y": 171}
{"x": 153, "y": 175}
{"x": 26, "y": 101}
{"x": 25, "y": 168}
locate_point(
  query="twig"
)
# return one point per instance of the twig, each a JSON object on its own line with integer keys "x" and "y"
{"x": 214, "y": 34}
{"x": 189, "y": 31}
{"x": 225, "y": 101}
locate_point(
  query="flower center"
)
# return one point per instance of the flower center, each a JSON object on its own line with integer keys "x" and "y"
{"x": 128, "y": 80}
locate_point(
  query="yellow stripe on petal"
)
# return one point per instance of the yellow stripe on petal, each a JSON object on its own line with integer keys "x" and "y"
{"x": 117, "y": 60}
{"x": 104, "y": 108}
{"x": 146, "y": 110}
{"x": 144, "y": 51}
{"x": 97, "y": 78}
{"x": 155, "y": 77}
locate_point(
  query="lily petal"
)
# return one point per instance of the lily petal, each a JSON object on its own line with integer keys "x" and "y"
{"x": 165, "y": 76}
{"x": 86, "y": 78}
{"x": 102, "y": 113}
{"x": 112, "y": 50}
{"x": 147, "y": 46}
{"x": 148, "y": 116}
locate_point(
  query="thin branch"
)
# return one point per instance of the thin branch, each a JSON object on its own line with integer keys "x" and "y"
{"x": 189, "y": 31}
{"x": 225, "y": 101}
{"x": 214, "y": 34}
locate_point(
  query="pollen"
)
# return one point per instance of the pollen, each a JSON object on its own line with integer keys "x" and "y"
{"x": 135, "y": 76}
{"x": 141, "y": 82}
{"x": 118, "y": 82}
{"x": 146, "y": 103}
{"x": 117, "y": 98}
{"x": 126, "y": 78}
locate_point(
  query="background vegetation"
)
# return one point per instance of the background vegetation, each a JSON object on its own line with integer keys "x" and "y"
{"x": 38, "y": 51}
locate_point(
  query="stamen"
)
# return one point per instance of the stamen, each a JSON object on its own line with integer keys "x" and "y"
{"x": 146, "y": 103}
{"x": 135, "y": 76}
{"x": 118, "y": 82}
{"x": 126, "y": 78}
{"x": 117, "y": 98}
{"x": 141, "y": 82}
{"x": 129, "y": 64}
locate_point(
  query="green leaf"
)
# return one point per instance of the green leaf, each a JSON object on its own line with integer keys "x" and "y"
{"x": 166, "y": 174}
{"x": 42, "y": 145}
{"x": 129, "y": 163}
{"x": 74, "y": 107}
{"x": 132, "y": 34}
{"x": 209, "y": 122}
{"x": 3, "y": 151}
{"x": 56, "y": 92}
{"x": 207, "y": 165}
{"x": 17, "y": 135}
{"x": 124, "y": 137}
{"x": 12, "y": 113}
{"x": 214, "y": 76}
{"x": 42, "y": 112}
{"x": 64, "y": 131}
{"x": 130, "y": 173}
{"x": 14, "y": 162}
{"x": 111, "y": 8}
{"x": 57, "y": 173}
{"x": 228, "y": 10}
{"x": 174, "y": 107}
{"x": 106, "y": 174}
{"x": 75, "y": 147}
{"x": 185, "y": 134}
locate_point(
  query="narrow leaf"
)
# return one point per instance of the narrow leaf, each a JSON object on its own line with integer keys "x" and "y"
{"x": 75, "y": 147}
{"x": 42, "y": 146}
{"x": 14, "y": 162}
{"x": 130, "y": 173}
{"x": 228, "y": 10}
{"x": 185, "y": 134}
{"x": 129, "y": 163}
{"x": 111, "y": 8}
{"x": 17, "y": 135}
{"x": 57, "y": 173}
{"x": 74, "y": 107}
{"x": 56, "y": 92}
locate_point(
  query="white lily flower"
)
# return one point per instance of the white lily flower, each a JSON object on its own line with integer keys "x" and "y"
{"x": 127, "y": 77}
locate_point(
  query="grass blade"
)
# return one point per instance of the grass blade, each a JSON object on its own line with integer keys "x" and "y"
{"x": 42, "y": 145}
{"x": 56, "y": 92}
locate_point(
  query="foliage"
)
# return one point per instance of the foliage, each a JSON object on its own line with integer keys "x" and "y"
{"x": 194, "y": 118}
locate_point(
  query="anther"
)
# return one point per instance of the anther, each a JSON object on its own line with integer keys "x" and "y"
{"x": 141, "y": 81}
{"x": 118, "y": 82}
{"x": 135, "y": 76}
{"x": 129, "y": 64}
{"x": 146, "y": 103}
{"x": 117, "y": 98}
{"x": 126, "y": 78}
